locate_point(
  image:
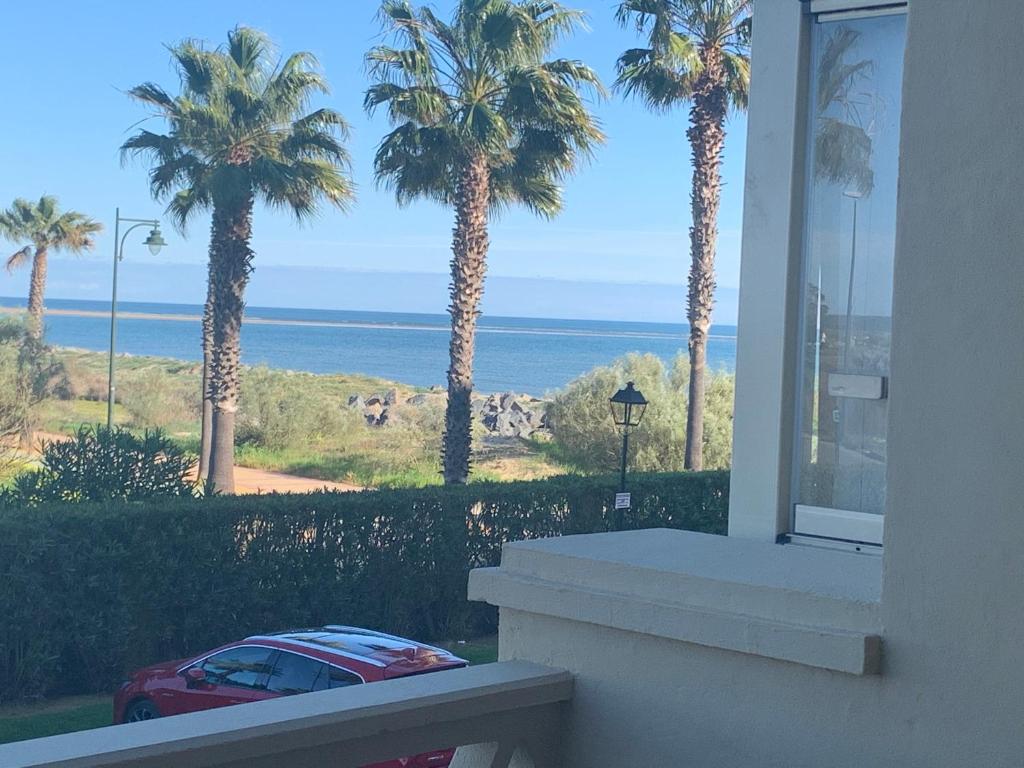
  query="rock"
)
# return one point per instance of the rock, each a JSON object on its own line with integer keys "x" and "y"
{"x": 391, "y": 398}
{"x": 356, "y": 401}
{"x": 372, "y": 413}
{"x": 375, "y": 400}
{"x": 418, "y": 400}
{"x": 503, "y": 425}
{"x": 506, "y": 400}
{"x": 386, "y": 417}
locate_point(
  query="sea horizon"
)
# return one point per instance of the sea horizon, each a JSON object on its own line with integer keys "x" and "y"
{"x": 531, "y": 355}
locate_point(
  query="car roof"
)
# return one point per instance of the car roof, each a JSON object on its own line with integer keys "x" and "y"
{"x": 375, "y": 648}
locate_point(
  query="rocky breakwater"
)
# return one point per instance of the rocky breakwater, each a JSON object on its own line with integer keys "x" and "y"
{"x": 504, "y": 415}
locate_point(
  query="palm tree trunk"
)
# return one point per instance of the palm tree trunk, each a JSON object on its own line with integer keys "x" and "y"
{"x": 36, "y": 291}
{"x": 229, "y": 271}
{"x": 469, "y": 266}
{"x": 707, "y": 141}
{"x": 206, "y": 425}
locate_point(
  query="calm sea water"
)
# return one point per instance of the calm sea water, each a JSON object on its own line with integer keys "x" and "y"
{"x": 526, "y": 355}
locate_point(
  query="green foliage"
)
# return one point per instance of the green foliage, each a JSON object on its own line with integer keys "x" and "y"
{"x": 100, "y": 464}
{"x": 93, "y": 591}
{"x": 239, "y": 129}
{"x": 585, "y": 435}
{"x": 679, "y": 33}
{"x": 276, "y": 412}
{"x": 46, "y": 227}
{"x": 481, "y": 86}
{"x": 154, "y": 399}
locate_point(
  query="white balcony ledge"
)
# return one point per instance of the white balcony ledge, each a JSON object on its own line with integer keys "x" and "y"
{"x": 516, "y": 705}
{"x": 808, "y": 606}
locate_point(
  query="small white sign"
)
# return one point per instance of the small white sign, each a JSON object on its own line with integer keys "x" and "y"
{"x": 622, "y": 501}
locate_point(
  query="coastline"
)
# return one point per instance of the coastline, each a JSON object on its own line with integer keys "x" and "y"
{"x": 257, "y": 320}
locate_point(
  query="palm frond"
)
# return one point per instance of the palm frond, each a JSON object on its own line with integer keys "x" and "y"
{"x": 19, "y": 258}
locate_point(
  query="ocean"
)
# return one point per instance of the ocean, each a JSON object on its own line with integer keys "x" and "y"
{"x": 527, "y": 355}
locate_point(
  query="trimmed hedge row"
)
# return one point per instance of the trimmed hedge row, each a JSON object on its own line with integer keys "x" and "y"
{"x": 90, "y": 592}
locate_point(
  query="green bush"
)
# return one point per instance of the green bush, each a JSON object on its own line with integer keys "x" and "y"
{"x": 276, "y": 411}
{"x": 155, "y": 399}
{"x": 93, "y": 591}
{"x": 100, "y": 464}
{"x": 585, "y": 435}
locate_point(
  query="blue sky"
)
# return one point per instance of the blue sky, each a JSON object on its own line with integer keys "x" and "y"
{"x": 626, "y": 215}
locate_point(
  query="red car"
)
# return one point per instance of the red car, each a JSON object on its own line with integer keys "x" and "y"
{"x": 281, "y": 664}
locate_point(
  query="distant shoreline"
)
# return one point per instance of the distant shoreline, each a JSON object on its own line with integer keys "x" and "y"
{"x": 256, "y": 320}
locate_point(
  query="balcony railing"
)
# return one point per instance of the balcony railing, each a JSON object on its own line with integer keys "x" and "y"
{"x": 507, "y": 711}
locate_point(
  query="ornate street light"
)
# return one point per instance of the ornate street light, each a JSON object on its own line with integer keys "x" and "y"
{"x": 628, "y": 406}
{"x": 154, "y": 242}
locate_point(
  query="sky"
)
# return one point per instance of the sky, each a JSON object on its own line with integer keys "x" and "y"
{"x": 623, "y": 229}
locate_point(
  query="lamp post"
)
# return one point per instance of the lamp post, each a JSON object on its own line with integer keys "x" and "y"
{"x": 155, "y": 241}
{"x": 628, "y": 406}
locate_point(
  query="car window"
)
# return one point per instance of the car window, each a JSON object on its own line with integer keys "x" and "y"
{"x": 342, "y": 678}
{"x": 246, "y": 666}
{"x": 296, "y": 674}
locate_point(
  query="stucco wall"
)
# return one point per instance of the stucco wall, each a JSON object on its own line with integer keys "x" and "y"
{"x": 952, "y": 689}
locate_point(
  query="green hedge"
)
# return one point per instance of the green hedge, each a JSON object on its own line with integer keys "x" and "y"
{"x": 88, "y": 592}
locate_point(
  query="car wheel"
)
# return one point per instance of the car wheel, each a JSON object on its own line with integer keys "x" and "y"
{"x": 143, "y": 709}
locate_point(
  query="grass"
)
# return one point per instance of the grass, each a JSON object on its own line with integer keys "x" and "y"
{"x": 83, "y": 713}
{"x": 49, "y": 718}
{"x": 483, "y": 650}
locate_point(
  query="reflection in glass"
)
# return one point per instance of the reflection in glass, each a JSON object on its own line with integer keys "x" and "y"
{"x": 848, "y": 263}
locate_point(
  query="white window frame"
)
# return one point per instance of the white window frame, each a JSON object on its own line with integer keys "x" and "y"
{"x": 760, "y": 501}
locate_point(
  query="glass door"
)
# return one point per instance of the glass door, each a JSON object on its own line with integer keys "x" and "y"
{"x": 846, "y": 302}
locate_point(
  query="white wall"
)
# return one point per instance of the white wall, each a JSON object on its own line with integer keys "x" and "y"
{"x": 952, "y": 689}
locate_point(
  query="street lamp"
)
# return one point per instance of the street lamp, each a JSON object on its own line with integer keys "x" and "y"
{"x": 155, "y": 242}
{"x": 628, "y": 406}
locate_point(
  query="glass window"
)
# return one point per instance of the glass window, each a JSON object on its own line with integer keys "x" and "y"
{"x": 846, "y": 306}
{"x": 296, "y": 674}
{"x": 342, "y": 678}
{"x": 247, "y": 666}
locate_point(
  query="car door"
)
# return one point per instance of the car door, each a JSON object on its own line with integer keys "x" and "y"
{"x": 236, "y": 675}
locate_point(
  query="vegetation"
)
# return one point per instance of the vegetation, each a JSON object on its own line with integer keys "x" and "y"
{"x": 697, "y": 53}
{"x": 101, "y": 464}
{"x": 482, "y": 122}
{"x": 50, "y": 718}
{"x": 187, "y": 574}
{"x": 238, "y": 132}
{"x": 585, "y": 436}
{"x": 44, "y": 227}
{"x": 292, "y": 422}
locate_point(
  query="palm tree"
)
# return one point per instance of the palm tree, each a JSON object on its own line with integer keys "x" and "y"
{"x": 843, "y": 146}
{"x": 238, "y": 132}
{"x": 482, "y": 121}
{"x": 46, "y": 228}
{"x": 698, "y": 53}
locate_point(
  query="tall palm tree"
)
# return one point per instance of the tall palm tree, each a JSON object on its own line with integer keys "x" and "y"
{"x": 45, "y": 228}
{"x": 697, "y": 54}
{"x": 482, "y": 121}
{"x": 239, "y": 131}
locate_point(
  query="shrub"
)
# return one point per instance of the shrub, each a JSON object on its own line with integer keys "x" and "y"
{"x": 154, "y": 398}
{"x": 99, "y": 464}
{"x": 276, "y": 411}
{"x": 93, "y": 591}
{"x": 585, "y": 435}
